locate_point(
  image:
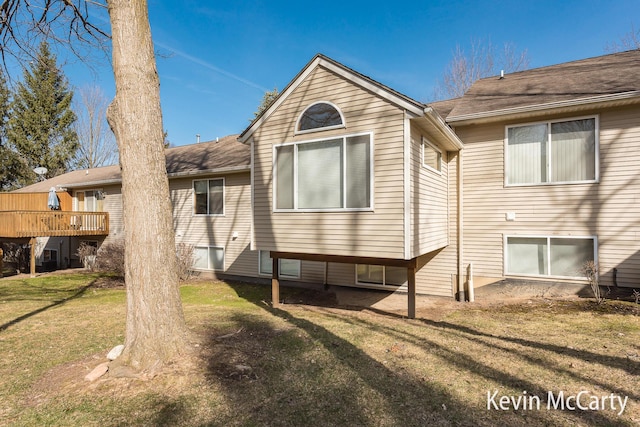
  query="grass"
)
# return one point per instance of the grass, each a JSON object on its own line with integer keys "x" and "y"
{"x": 312, "y": 364}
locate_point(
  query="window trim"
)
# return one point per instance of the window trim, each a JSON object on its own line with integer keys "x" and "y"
{"x": 343, "y": 125}
{"x": 383, "y": 285}
{"x": 282, "y": 276}
{"x": 208, "y": 247}
{"x": 224, "y": 194}
{"x": 295, "y": 145}
{"x": 595, "y": 117}
{"x": 98, "y": 196}
{"x": 424, "y": 142}
{"x": 549, "y": 237}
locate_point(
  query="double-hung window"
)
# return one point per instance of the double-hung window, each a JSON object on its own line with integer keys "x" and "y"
{"x": 328, "y": 174}
{"x": 208, "y": 195}
{"x": 552, "y": 152}
{"x": 549, "y": 256}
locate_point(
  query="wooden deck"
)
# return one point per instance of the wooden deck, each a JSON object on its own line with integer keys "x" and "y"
{"x": 20, "y": 224}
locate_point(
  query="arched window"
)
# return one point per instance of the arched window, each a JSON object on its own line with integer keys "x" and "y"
{"x": 321, "y": 115}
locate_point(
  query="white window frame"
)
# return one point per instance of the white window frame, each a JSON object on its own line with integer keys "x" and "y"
{"x": 344, "y": 172}
{"x": 549, "y": 238}
{"x": 596, "y": 130}
{"x": 210, "y": 268}
{"x": 97, "y": 196}
{"x": 384, "y": 283}
{"x": 340, "y": 126}
{"x": 426, "y": 142}
{"x": 224, "y": 194}
{"x": 282, "y": 276}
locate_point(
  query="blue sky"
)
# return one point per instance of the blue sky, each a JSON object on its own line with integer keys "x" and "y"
{"x": 218, "y": 58}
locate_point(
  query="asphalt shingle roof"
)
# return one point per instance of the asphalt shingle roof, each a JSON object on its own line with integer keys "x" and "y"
{"x": 224, "y": 154}
{"x": 588, "y": 78}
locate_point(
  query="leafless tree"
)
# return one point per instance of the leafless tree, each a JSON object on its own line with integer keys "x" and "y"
{"x": 155, "y": 328}
{"x": 482, "y": 60}
{"x": 97, "y": 142}
{"x": 629, "y": 41}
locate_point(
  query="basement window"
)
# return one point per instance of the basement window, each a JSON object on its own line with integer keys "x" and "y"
{"x": 562, "y": 257}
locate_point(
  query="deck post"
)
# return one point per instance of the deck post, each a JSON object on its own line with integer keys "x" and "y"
{"x": 1, "y": 264}
{"x": 275, "y": 283}
{"x": 411, "y": 289}
{"x": 32, "y": 261}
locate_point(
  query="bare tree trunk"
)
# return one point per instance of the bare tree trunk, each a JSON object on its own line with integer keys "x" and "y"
{"x": 155, "y": 328}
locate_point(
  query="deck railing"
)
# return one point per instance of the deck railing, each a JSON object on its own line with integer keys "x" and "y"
{"x": 17, "y": 224}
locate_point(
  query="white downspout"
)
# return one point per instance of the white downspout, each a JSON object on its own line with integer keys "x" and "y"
{"x": 459, "y": 182}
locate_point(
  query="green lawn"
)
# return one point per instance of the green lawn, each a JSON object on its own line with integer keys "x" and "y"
{"x": 315, "y": 365}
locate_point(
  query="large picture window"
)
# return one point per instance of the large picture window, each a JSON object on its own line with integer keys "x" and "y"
{"x": 289, "y": 268}
{"x": 552, "y": 152}
{"x": 208, "y": 258}
{"x": 549, "y": 256}
{"x": 324, "y": 174}
{"x": 208, "y": 196}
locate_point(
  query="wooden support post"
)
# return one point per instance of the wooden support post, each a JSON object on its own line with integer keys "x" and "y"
{"x": 275, "y": 283}
{"x": 411, "y": 285}
{"x": 32, "y": 262}
{"x": 1, "y": 262}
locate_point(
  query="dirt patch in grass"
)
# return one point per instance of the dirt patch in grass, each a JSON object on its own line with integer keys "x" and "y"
{"x": 108, "y": 282}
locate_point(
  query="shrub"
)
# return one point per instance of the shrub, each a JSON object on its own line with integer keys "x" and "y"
{"x": 17, "y": 254}
{"x": 87, "y": 255}
{"x": 590, "y": 269}
{"x": 184, "y": 252}
{"x": 110, "y": 258}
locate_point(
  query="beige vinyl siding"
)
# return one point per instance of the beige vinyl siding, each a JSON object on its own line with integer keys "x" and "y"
{"x": 617, "y": 205}
{"x": 210, "y": 230}
{"x": 113, "y": 204}
{"x": 377, "y": 233}
{"x": 429, "y": 204}
{"x": 608, "y": 210}
{"x": 437, "y": 276}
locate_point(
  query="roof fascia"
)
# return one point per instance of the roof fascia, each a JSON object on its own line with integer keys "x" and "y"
{"x": 231, "y": 169}
{"x": 453, "y": 143}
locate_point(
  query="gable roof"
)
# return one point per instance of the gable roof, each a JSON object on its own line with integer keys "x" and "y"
{"x": 608, "y": 78}
{"x": 414, "y": 108}
{"x": 221, "y": 156}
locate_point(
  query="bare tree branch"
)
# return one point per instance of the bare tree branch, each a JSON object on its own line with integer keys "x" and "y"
{"x": 482, "y": 60}
{"x": 629, "y": 41}
{"x": 24, "y": 24}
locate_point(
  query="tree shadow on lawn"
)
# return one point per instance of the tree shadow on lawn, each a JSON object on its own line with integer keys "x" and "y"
{"x": 327, "y": 380}
{"x": 46, "y": 294}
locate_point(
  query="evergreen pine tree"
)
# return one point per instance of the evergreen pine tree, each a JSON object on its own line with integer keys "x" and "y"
{"x": 10, "y": 165}
{"x": 40, "y": 127}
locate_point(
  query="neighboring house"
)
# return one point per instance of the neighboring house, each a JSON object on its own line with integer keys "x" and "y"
{"x": 344, "y": 181}
{"x": 209, "y": 185}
